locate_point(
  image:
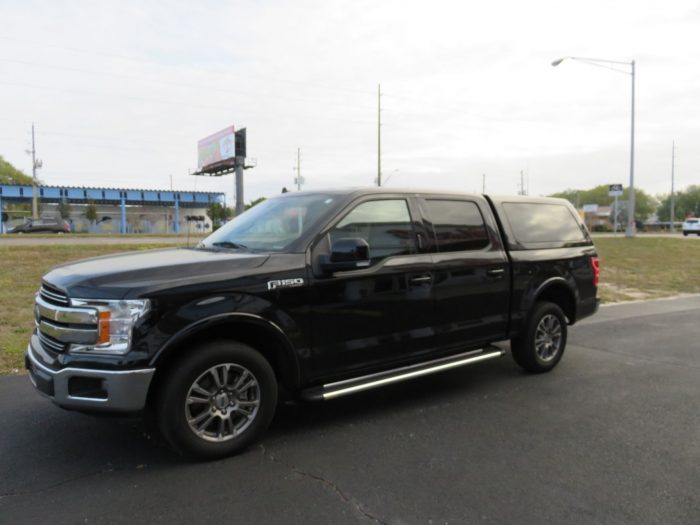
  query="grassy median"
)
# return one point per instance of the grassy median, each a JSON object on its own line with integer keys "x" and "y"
{"x": 21, "y": 268}
{"x": 641, "y": 268}
{"x": 647, "y": 268}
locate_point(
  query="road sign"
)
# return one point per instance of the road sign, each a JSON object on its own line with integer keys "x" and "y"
{"x": 590, "y": 208}
{"x": 615, "y": 190}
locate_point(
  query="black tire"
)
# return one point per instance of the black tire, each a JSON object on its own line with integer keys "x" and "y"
{"x": 219, "y": 402}
{"x": 537, "y": 349}
{"x": 685, "y": 234}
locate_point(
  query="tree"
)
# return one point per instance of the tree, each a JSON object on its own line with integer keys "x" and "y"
{"x": 91, "y": 212}
{"x": 11, "y": 175}
{"x": 687, "y": 203}
{"x": 645, "y": 204}
{"x": 254, "y": 203}
{"x": 64, "y": 210}
{"x": 218, "y": 213}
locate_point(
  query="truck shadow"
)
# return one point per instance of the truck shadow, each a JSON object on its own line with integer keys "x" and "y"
{"x": 416, "y": 394}
{"x": 43, "y": 446}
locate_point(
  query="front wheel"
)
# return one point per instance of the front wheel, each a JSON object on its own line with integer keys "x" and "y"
{"x": 217, "y": 400}
{"x": 541, "y": 345}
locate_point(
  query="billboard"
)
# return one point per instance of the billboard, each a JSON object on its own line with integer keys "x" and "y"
{"x": 217, "y": 147}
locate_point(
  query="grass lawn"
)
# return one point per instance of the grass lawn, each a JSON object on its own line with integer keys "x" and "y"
{"x": 20, "y": 277}
{"x": 630, "y": 269}
{"x": 647, "y": 268}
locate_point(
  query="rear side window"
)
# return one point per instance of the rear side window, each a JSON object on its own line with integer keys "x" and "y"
{"x": 532, "y": 223}
{"x": 384, "y": 224}
{"x": 458, "y": 225}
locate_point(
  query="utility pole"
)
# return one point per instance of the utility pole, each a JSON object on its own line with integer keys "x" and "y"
{"x": 673, "y": 177}
{"x": 483, "y": 183}
{"x": 379, "y": 134}
{"x": 298, "y": 180}
{"x": 36, "y": 163}
{"x": 522, "y": 183}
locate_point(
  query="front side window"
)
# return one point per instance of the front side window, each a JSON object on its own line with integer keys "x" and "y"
{"x": 384, "y": 224}
{"x": 458, "y": 225}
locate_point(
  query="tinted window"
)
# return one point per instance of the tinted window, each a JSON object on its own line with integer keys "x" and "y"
{"x": 542, "y": 223}
{"x": 385, "y": 225}
{"x": 458, "y": 225}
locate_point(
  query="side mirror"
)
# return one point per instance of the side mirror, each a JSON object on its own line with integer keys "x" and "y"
{"x": 347, "y": 254}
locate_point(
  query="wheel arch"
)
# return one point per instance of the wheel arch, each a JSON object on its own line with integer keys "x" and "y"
{"x": 263, "y": 335}
{"x": 559, "y": 291}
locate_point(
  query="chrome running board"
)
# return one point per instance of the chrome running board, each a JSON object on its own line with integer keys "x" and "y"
{"x": 358, "y": 384}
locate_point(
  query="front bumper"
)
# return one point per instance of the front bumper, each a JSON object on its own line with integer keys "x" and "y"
{"x": 93, "y": 390}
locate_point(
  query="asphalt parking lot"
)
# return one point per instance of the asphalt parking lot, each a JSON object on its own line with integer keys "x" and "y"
{"x": 611, "y": 436}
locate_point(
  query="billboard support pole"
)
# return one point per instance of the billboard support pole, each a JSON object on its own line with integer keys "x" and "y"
{"x": 240, "y": 206}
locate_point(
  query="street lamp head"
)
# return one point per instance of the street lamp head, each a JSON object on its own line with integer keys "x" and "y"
{"x": 557, "y": 62}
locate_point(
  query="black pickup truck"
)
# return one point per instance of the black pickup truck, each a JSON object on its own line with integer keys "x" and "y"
{"x": 310, "y": 296}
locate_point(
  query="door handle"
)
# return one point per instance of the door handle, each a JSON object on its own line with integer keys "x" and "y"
{"x": 422, "y": 279}
{"x": 496, "y": 272}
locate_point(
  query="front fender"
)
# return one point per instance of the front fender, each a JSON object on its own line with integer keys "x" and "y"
{"x": 209, "y": 315}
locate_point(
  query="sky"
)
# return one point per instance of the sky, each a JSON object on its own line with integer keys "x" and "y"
{"x": 121, "y": 91}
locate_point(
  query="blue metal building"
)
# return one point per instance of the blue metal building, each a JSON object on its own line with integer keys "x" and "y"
{"x": 111, "y": 196}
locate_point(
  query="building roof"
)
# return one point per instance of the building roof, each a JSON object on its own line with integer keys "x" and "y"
{"x": 130, "y": 196}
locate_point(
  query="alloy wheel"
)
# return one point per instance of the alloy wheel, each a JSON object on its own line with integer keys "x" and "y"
{"x": 222, "y": 402}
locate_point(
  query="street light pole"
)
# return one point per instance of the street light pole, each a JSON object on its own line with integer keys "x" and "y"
{"x": 631, "y": 229}
{"x": 631, "y": 225}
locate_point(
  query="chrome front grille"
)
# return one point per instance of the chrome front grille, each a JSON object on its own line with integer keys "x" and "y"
{"x": 53, "y": 295}
{"x": 51, "y": 344}
{"x": 59, "y": 325}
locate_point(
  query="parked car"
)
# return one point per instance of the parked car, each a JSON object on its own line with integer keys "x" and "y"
{"x": 315, "y": 295}
{"x": 691, "y": 225}
{"x": 42, "y": 226}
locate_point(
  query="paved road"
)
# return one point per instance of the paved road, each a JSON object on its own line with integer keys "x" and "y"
{"x": 611, "y": 436}
{"x": 29, "y": 240}
{"x": 643, "y": 235}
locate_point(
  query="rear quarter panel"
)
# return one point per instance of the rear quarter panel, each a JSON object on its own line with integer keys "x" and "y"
{"x": 537, "y": 266}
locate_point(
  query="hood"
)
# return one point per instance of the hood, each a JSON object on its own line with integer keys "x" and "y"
{"x": 135, "y": 273}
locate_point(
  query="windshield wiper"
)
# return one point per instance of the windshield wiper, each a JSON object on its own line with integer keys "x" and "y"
{"x": 229, "y": 244}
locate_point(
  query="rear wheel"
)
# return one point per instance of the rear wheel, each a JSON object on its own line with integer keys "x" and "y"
{"x": 540, "y": 347}
{"x": 217, "y": 400}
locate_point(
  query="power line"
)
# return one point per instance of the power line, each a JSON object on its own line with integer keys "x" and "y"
{"x": 168, "y": 82}
{"x": 218, "y": 108}
{"x": 198, "y": 69}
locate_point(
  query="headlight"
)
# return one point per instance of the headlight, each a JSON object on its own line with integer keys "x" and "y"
{"x": 115, "y": 322}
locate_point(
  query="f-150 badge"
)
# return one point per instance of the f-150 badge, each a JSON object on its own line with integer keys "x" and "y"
{"x": 285, "y": 283}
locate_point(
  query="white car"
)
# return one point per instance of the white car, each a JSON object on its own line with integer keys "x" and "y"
{"x": 691, "y": 226}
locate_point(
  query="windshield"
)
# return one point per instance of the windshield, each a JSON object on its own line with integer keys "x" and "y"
{"x": 273, "y": 225}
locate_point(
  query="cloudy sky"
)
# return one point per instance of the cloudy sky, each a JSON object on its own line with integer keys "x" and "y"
{"x": 121, "y": 91}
